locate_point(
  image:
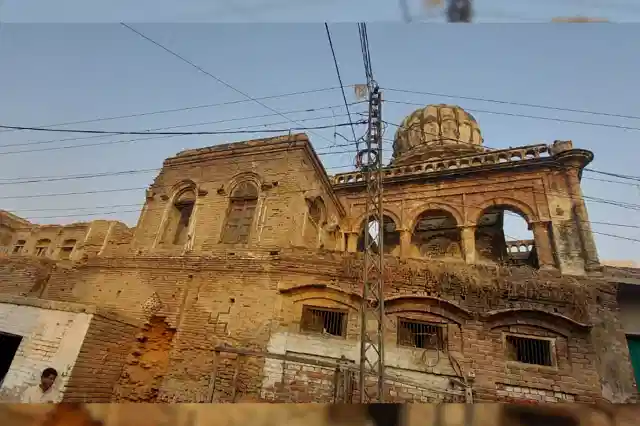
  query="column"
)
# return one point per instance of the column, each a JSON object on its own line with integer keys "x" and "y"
{"x": 543, "y": 245}
{"x": 581, "y": 217}
{"x": 468, "y": 237}
{"x": 405, "y": 243}
{"x": 352, "y": 242}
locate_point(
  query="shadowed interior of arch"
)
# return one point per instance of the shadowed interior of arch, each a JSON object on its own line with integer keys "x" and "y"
{"x": 436, "y": 235}
{"x": 179, "y": 217}
{"x": 503, "y": 235}
{"x": 390, "y": 236}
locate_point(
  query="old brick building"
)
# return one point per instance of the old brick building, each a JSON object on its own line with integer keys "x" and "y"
{"x": 245, "y": 267}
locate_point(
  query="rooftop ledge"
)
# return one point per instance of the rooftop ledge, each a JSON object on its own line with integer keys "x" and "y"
{"x": 502, "y": 156}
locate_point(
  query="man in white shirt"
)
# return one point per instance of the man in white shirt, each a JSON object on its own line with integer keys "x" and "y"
{"x": 42, "y": 393}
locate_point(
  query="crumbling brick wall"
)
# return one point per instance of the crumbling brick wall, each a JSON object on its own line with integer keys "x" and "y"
{"x": 101, "y": 359}
{"x": 146, "y": 363}
{"x": 24, "y": 275}
{"x": 247, "y": 298}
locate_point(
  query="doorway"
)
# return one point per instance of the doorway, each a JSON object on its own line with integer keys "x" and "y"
{"x": 9, "y": 344}
{"x": 634, "y": 353}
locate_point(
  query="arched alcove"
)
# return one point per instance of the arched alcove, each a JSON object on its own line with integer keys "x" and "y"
{"x": 179, "y": 216}
{"x": 242, "y": 207}
{"x": 390, "y": 235}
{"x": 503, "y": 235}
{"x": 436, "y": 235}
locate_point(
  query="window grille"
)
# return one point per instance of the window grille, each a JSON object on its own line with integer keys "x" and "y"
{"x": 325, "y": 321}
{"x": 529, "y": 350}
{"x": 420, "y": 335}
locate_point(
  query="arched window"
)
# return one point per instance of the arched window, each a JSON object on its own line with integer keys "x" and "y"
{"x": 436, "y": 235}
{"x": 17, "y": 249}
{"x": 503, "y": 236}
{"x": 390, "y": 235}
{"x": 67, "y": 249}
{"x": 179, "y": 218}
{"x": 315, "y": 217}
{"x": 242, "y": 208}
{"x": 42, "y": 246}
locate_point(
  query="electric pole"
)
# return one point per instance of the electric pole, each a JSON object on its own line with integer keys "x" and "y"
{"x": 372, "y": 307}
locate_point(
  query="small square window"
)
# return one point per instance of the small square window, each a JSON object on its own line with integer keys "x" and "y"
{"x": 530, "y": 350}
{"x": 420, "y": 335}
{"x": 323, "y": 320}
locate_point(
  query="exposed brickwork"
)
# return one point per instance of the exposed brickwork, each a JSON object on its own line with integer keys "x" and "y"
{"x": 146, "y": 364}
{"x": 99, "y": 363}
{"x": 24, "y": 275}
{"x": 299, "y": 252}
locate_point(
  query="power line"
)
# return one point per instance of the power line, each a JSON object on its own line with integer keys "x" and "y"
{"x": 618, "y": 175}
{"x": 201, "y": 123}
{"x": 219, "y": 80}
{"x": 497, "y": 101}
{"x": 218, "y": 132}
{"x": 188, "y": 108}
{"x": 510, "y": 114}
{"x": 344, "y": 96}
{"x": 160, "y": 136}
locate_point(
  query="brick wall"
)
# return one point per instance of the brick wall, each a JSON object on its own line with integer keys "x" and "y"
{"x": 284, "y": 171}
{"x": 248, "y": 297}
{"x": 52, "y": 334}
{"x": 24, "y": 275}
{"x": 100, "y": 359}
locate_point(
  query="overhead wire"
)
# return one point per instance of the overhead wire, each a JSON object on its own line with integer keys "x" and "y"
{"x": 512, "y": 103}
{"x": 231, "y": 131}
{"x": 536, "y": 117}
{"x": 200, "y": 123}
{"x": 219, "y": 80}
{"x": 188, "y": 108}
{"x": 344, "y": 96}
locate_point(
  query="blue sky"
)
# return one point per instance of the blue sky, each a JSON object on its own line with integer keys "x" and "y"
{"x": 235, "y": 11}
{"x": 60, "y": 73}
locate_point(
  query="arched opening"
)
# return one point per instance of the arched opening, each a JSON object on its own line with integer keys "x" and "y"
{"x": 504, "y": 236}
{"x": 66, "y": 249}
{"x": 179, "y": 218}
{"x": 316, "y": 214}
{"x": 436, "y": 235}
{"x": 242, "y": 208}
{"x": 42, "y": 246}
{"x": 390, "y": 235}
{"x": 17, "y": 249}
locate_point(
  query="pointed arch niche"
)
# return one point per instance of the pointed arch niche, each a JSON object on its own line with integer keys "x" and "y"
{"x": 243, "y": 203}
{"x": 179, "y": 215}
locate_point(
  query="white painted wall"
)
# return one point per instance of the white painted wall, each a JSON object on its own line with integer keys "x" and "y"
{"x": 412, "y": 365}
{"x": 51, "y": 338}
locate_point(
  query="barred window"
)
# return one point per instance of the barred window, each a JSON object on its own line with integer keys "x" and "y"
{"x": 324, "y": 320}
{"x": 420, "y": 335}
{"x": 529, "y": 350}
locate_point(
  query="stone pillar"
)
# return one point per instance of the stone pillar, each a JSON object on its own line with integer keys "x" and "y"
{"x": 580, "y": 216}
{"x": 405, "y": 243}
{"x": 468, "y": 238}
{"x": 352, "y": 242}
{"x": 543, "y": 245}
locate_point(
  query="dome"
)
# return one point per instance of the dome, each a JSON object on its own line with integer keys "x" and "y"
{"x": 436, "y": 131}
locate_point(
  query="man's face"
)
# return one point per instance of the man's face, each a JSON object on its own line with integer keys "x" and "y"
{"x": 47, "y": 381}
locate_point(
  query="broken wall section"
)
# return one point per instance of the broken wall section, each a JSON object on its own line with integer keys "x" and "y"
{"x": 146, "y": 363}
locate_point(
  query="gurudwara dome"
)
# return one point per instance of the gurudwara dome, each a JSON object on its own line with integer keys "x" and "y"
{"x": 436, "y": 131}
